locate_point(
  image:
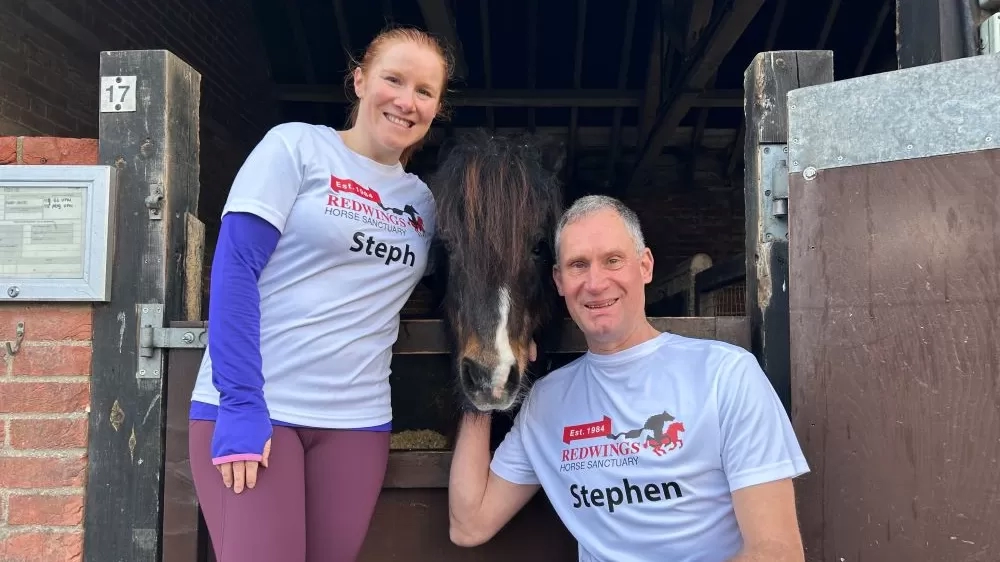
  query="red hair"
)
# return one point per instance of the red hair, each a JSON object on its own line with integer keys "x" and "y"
{"x": 374, "y": 50}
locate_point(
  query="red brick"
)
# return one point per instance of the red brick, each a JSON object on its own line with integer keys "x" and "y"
{"x": 43, "y": 397}
{"x": 36, "y": 547}
{"x": 42, "y": 472}
{"x": 8, "y": 150}
{"x": 47, "y": 322}
{"x": 48, "y": 434}
{"x": 58, "y": 150}
{"x": 46, "y": 510}
{"x": 53, "y": 360}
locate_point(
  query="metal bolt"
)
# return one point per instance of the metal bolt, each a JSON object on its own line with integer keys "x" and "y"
{"x": 13, "y": 292}
{"x": 766, "y": 150}
{"x": 909, "y": 147}
{"x": 188, "y": 337}
{"x": 989, "y": 139}
{"x": 142, "y": 371}
{"x": 809, "y": 173}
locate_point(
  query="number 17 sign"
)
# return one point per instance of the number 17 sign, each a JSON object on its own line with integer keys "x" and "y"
{"x": 117, "y": 94}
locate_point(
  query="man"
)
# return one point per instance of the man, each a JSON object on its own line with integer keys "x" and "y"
{"x": 651, "y": 446}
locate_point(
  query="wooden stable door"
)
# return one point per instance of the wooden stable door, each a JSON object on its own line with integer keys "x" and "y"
{"x": 894, "y": 249}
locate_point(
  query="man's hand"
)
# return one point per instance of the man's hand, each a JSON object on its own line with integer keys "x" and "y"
{"x": 767, "y": 520}
{"x": 238, "y": 474}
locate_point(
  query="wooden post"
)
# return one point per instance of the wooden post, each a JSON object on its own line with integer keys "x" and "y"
{"x": 930, "y": 31}
{"x": 149, "y": 131}
{"x": 766, "y": 83}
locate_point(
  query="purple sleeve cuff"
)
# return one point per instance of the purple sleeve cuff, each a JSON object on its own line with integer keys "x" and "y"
{"x": 243, "y": 425}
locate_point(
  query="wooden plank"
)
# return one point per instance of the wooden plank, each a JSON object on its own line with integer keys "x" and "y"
{"x": 413, "y": 525}
{"x": 418, "y": 469}
{"x": 930, "y": 31}
{"x": 441, "y": 22}
{"x": 180, "y": 503}
{"x": 194, "y": 259}
{"x": 522, "y": 98}
{"x": 767, "y": 82}
{"x": 894, "y": 353}
{"x": 720, "y": 37}
{"x": 419, "y": 336}
{"x": 155, "y": 147}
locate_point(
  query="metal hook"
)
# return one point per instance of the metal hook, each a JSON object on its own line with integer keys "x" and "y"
{"x": 19, "y": 337}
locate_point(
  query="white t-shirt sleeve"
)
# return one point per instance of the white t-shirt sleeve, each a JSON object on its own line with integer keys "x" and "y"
{"x": 510, "y": 461}
{"x": 758, "y": 442}
{"x": 268, "y": 182}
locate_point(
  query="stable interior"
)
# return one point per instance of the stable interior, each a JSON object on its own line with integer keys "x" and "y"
{"x": 595, "y": 75}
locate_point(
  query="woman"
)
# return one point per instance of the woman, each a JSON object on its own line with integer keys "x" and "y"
{"x": 324, "y": 236}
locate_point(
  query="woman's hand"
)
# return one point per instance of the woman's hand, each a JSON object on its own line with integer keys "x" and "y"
{"x": 240, "y": 474}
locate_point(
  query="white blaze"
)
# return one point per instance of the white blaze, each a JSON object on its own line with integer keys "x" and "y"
{"x": 501, "y": 342}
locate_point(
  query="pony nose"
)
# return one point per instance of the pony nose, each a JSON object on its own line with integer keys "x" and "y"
{"x": 474, "y": 375}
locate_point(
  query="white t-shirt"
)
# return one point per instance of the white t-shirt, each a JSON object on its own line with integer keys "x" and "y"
{"x": 586, "y": 433}
{"x": 355, "y": 237}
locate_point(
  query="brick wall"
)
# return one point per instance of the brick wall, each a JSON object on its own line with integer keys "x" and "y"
{"x": 49, "y": 68}
{"x": 44, "y": 402}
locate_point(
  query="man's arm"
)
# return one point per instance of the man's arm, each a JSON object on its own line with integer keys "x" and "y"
{"x": 767, "y": 520}
{"x": 480, "y": 503}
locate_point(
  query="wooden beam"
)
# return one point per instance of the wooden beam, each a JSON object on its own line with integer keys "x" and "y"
{"x": 302, "y": 52}
{"x": 343, "y": 31}
{"x": 767, "y": 82}
{"x": 772, "y": 34}
{"x": 658, "y": 50}
{"x": 574, "y": 112}
{"x": 698, "y": 17}
{"x": 616, "y": 121}
{"x": 599, "y": 137}
{"x": 715, "y": 44}
{"x": 522, "y": 98}
{"x": 441, "y": 22}
{"x": 831, "y": 16}
{"x": 484, "y": 31}
{"x": 155, "y": 147}
{"x": 930, "y": 31}
{"x": 428, "y": 337}
{"x": 532, "y": 56}
{"x": 873, "y": 35}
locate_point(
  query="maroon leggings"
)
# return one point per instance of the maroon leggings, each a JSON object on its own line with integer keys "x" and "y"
{"x": 313, "y": 502}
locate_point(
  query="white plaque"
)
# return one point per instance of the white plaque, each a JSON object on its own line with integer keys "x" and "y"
{"x": 117, "y": 94}
{"x": 56, "y": 232}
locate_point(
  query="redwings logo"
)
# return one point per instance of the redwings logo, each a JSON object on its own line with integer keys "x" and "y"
{"x": 660, "y": 434}
{"x": 370, "y": 209}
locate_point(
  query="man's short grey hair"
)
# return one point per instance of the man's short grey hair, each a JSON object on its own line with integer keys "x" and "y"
{"x": 590, "y": 204}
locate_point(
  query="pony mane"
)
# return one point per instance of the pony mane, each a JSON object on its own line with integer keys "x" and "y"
{"x": 495, "y": 200}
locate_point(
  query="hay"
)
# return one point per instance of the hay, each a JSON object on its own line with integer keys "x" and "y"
{"x": 418, "y": 439}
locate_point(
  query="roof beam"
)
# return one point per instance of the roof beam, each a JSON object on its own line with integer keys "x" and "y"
{"x": 574, "y": 112}
{"x": 441, "y": 22}
{"x": 718, "y": 39}
{"x": 623, "y": 64}
{"x": 484, "y": 31}
{"x": 524, "y": 98}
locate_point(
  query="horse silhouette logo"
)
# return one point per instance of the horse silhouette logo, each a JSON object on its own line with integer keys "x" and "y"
{"x": 663, "y": 433}
{"x": 416, "y": 221}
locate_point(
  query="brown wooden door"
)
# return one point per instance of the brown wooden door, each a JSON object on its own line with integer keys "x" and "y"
{"x": 894, "y": 219}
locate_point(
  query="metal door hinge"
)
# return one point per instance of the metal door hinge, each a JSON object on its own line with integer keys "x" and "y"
{"x": 154, "y": 337}
{"x": 774, "y": 180}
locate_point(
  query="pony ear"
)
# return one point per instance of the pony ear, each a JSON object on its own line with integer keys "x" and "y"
{"x": 553, "y": 151}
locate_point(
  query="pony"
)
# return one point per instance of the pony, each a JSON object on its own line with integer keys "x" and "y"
{"x": 498, "y": 200}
